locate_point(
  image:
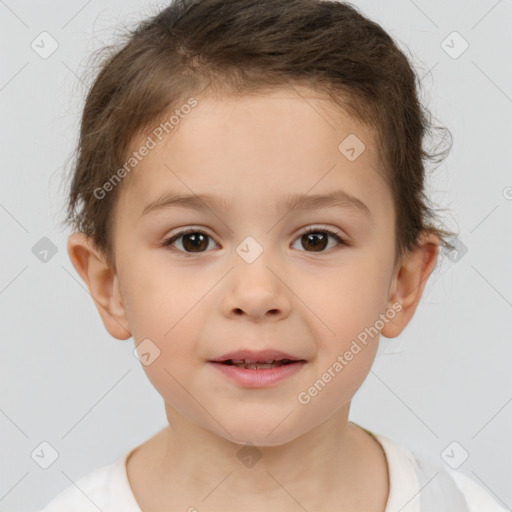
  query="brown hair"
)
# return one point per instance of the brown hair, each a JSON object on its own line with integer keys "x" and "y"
{"x": 237, "y": 47}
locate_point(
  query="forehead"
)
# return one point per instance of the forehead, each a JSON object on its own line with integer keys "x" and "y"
{"x": 255, "y": 149}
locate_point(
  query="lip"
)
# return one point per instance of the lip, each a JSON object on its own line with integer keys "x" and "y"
{"x": 256, "y": 356}
{"x": 259, "y": 378}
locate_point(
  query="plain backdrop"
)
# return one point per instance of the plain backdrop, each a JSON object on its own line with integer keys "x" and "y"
{"x": 443, "y": 386}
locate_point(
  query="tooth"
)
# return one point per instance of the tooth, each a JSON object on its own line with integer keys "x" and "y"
{"x": 256, "y": 366}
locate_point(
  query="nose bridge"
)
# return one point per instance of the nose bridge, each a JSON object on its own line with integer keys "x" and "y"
{"x": 253, "y": 262}
{"x": 255, "y": 286}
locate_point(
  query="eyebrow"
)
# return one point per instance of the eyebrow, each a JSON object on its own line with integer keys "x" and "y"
{"x": 203, "y": 202}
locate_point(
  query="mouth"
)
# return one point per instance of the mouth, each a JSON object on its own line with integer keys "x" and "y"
{"x": 258, "y": 365}
{"x": 259, "y": 358}
{"x": 258, "y": 370}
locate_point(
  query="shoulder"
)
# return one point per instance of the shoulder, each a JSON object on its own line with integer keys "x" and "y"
{"x": 476, "y": 496}
{"x": 419, "y": 481}
{"x": 88, "y": 493}
{"x": 103, "y": 489}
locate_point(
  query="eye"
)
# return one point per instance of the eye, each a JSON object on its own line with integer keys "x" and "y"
{"x": 317, "y": 238}
{"x": 194, "y": 241}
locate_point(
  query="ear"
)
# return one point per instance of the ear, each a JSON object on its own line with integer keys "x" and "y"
{"x": 102, "y": 282}
{"x": 409, "y": 281}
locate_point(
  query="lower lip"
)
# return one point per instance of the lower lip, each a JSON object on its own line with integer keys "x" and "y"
{"x": 259, "y": 378}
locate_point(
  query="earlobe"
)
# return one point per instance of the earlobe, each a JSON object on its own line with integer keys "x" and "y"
{"x": 409, "y": 282}
{"x": 102, "y": 282}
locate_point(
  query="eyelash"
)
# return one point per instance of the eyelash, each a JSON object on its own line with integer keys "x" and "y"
{"x": 313, "y": 229}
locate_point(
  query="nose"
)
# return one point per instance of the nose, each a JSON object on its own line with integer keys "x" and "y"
{"x": 257, "y": 290}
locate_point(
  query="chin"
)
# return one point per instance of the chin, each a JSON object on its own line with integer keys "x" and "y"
{"x": 263, "y": 432}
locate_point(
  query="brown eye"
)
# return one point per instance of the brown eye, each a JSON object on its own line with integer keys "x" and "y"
{"x": 196, "y": 242}
{"x": 316, "y": 239}
{"x": 193, "y": 241}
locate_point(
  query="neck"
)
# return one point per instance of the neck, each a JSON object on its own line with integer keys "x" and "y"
{"x": 334, "y": 463}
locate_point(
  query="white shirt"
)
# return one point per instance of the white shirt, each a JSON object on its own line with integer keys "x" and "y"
{"x": 108, "y": 489}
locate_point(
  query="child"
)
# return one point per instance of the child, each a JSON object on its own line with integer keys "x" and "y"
{"x": 221, "y": 141}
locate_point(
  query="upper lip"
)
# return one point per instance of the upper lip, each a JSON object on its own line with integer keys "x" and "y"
{"x": 253, "y": 356}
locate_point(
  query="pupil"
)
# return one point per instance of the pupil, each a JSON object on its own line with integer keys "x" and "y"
{"x": 312, "y": 237}
{"x": 196, "y": 238}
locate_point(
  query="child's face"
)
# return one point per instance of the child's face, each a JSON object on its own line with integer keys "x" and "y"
{"x": 305, "y": 297}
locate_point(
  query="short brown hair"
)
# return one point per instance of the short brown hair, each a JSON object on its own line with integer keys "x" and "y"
{"x": 238, "y": 47}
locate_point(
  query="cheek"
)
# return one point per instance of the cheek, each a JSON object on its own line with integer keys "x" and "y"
{"x": 171, "y": 319}
{"x": 338, "y": 379}
{"x": 161, "y": 300}
{"x": 165, "y": 312}
{"x": 353, "y": 298}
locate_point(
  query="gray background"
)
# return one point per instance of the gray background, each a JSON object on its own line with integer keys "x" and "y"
{"x": 65, "y": 381}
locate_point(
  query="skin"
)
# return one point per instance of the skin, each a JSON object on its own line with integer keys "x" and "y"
{"x": 252, "y": 151}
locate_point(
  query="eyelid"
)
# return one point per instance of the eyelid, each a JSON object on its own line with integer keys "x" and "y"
{"x": 319, "y": 227}
{"x": 303, "y": 230}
